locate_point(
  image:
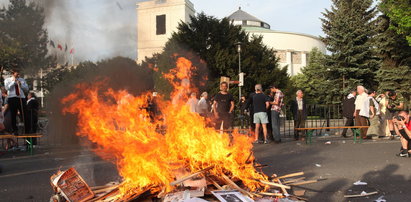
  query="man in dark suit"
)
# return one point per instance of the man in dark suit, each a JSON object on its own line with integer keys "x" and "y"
{"x": 348, "y": 109}
{"x": 32, "y": 115}
{"x": 299, "y": 110}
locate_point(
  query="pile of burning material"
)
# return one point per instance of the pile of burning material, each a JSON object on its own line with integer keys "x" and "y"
{"x": 69, "y": 186}
{"x": 153, "y": 148}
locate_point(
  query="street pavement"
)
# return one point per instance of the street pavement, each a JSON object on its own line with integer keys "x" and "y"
{"x": 339, "y": 165}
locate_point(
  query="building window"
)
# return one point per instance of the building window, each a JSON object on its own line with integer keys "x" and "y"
{"x": 160, "y": 24}
{"x": 296, "y": 57}
{"x": 281, "y": 55}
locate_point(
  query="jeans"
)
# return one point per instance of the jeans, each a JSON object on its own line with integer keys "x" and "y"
{"x": 275, "y": 123}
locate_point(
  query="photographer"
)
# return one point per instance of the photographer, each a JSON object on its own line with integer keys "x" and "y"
{"x": 402, "y": 127}
{"x": 394, "y": 104}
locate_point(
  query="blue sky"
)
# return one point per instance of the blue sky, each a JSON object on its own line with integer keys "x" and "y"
{"x": 98, "y": 29}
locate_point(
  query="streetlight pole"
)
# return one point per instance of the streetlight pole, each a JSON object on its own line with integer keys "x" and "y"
{"x": 239, "y": 70}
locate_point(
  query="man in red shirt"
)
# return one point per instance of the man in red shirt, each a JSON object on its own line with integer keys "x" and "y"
{"x": 402, "y": 126}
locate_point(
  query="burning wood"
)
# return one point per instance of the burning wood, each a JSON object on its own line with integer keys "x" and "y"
{"x": 111, "y": 192}
{"x": 148, "y": 159}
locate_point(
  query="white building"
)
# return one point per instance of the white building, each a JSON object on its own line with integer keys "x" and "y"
{"x": 157, "y": 19}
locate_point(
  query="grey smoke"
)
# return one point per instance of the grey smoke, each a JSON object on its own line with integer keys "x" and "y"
{"x": 96, "y": 29}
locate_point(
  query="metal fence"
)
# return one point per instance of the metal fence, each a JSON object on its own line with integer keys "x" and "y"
{"x": 318, "y": 116}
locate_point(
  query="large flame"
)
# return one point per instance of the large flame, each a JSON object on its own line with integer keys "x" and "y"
{"x": 149, "y": 151}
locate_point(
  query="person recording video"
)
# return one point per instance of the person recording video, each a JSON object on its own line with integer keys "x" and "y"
{"x": 402, "y": 127}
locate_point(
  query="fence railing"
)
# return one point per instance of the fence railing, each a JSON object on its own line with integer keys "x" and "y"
{"x": 318, "y": 116}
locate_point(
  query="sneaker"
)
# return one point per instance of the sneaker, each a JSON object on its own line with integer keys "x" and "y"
{"x": 403, "y": 153}
{"x": 266, "y": 142}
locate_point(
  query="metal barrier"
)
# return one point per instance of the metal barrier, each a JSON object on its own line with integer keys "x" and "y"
{"x": 318, "y": 116}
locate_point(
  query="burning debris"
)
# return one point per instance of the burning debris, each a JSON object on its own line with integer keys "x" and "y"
{"x": 69, "y": 186}
{"x": 184, "y": 155}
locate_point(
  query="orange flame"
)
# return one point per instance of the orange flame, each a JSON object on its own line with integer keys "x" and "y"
{"x": 146, "y": 153}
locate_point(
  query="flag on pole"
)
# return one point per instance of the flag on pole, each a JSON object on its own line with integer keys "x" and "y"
{"x": 72, "y": 51}
{"x": 52, "y": 44}
{"x": 60, "y": 47}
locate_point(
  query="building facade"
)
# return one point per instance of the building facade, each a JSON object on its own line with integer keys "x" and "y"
{"x": 157, "y": 19}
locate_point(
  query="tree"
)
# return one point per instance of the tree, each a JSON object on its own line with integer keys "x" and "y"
{"x": 399, "y": 12}
{"x": 210, "y": 43}
{"x": 395, "y": 54}
{"x": 22, "y": 25}
{"x": 313, "y": 79}
{"x": 349, "y": 29}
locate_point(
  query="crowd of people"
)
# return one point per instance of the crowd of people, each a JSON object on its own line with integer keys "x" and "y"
{"x": 383, "y": 113}
{"x": 18, "y": 102}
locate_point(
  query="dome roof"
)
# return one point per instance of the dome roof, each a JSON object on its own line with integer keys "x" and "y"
{"x": 244, "y": 19}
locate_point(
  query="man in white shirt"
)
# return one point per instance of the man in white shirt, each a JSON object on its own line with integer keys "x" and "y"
{"x": 362, "y": 96}
{"x": 192, "y": 102}
{"x": 202, "y": 106}
{"x": 16, "y": 86}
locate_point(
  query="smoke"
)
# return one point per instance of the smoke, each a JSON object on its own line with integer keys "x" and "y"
{"x": 118, "y": 73}
{"x": 95, "y": 29}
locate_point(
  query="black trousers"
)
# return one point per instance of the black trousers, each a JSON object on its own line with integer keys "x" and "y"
{"x": 17, "y": 105}
{"x": 226, "y": 118}
{"x": 31, "y": 123}
{"x": 348, "y": 122}
{"x": 299, "y": 122}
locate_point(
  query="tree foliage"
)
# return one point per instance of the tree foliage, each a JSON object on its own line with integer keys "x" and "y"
{"x": 395, "y": 54}
{"x": 24, "y": 37}
{"x": 399, "y": 12}
{"x": 313, "y": 79}
{"x": 349, "y": 28}
{"x": 210, "y": 43}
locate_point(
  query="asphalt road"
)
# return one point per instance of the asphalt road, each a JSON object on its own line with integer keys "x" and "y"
{"x": 340, "y": 164}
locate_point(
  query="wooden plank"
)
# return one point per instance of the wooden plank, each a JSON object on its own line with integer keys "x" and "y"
{"x": 190, "y": 176}
{"x": 360, "y": 195}
{"x": 235, "y": 186}
{"x": 282, "y": 188}
{"x": 335, "y": 127}
{"x": 303, "y": 182}
{"x": 271, "y": 194}
{"x": 274, "y": 184}
{"x": 291, "y": 175}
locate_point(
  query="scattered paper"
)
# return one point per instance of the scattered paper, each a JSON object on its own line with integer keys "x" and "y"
{"x": 360, "y": 183}
{"x": 318, "y": 165}
{"x": 328, "y": 142}
{"x": 363, "y": 193}
{"x": 380, "y": 199}
{"x": 343, "y": 141}
{"x": 229, "y": 196}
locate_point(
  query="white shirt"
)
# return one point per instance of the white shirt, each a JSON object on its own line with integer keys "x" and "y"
{"x": 202, "y": 107}
{"x": 300, "y": 103}
{"x": 359, "y": 101}
{"x": 10, "y": 85}
{"x": 192, "y": 104}
{"x": 365, "y": 111}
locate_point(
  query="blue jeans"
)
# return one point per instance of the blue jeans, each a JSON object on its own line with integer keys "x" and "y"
{"x": 275, "y": 122}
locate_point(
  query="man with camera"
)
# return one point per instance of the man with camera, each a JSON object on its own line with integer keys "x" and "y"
{"x": 394, "y": 105}
{"x": 402, "y": 127}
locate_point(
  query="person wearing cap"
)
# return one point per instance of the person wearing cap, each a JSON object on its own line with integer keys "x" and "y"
{"x": 277, "y": 103}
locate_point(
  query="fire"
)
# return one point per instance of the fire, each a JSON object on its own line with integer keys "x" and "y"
{"x": 148, "y": 151}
